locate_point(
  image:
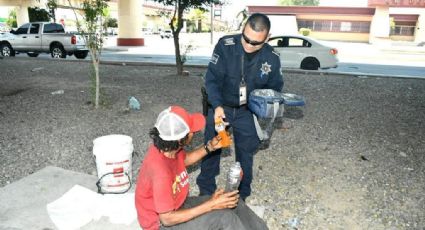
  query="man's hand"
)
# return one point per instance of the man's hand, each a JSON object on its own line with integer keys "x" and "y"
{"x": 221, "y": 200}
{"x": 214, "y": 143}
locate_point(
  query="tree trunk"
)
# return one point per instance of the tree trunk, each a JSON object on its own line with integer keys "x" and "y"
{"x": 199, "y": 25}
{"x": 95, "y": 63}
{"x": 97, "y": 85}
{"x": 176, "y": 31}
{"x": 179, "y": 62}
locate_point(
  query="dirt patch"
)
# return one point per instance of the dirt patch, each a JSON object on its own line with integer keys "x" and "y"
{"x": 352, "y": 158}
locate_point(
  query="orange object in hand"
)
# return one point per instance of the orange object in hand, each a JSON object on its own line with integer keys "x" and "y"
{"x": 220, "y": 127}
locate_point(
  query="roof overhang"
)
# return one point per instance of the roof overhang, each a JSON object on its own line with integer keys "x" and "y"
{"x": 397, "y": 3}
{"x": 293, "y": 10}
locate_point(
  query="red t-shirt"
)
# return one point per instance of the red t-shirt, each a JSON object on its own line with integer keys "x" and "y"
{"x": 162, "y": 186}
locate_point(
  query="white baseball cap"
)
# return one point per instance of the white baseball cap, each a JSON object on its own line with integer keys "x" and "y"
{"x": 174, "y": 123}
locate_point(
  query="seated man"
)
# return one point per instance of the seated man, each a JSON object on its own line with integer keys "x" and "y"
{"x": 162, "y": 188}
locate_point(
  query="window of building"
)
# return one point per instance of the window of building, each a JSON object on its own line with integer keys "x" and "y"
{"x": 403, "y": 30}
{"x": 335, "y": 26}
{"x": 345, "y": 26}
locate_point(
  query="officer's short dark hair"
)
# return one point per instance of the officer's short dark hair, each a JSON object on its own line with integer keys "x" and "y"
{"x": 166, "y": 146}
{"x": 259, "y": 22}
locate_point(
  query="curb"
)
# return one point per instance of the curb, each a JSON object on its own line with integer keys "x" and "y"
{"x": 288, "y": 70}
{"x": 115, "y": 49}
{"x": 354, "y": 74}
{"x": 312, "y": 72}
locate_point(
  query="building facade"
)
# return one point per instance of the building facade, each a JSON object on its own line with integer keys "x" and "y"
{"x": 382, "y": 20}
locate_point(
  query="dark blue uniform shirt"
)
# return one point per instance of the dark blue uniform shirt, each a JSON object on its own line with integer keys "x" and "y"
{"x": 224, "y": 73}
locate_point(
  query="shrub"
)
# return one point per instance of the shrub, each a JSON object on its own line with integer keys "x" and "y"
{"x": 38, "y": 15}
{"x": 305, "y": 31}
{"x": 111, "y": 22}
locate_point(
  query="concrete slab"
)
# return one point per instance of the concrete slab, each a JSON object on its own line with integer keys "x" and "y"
{"x": 259, "y": 210}
{"x": 23, "y": 203}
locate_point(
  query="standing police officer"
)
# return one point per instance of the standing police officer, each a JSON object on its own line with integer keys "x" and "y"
{"x": 239, "y": 64}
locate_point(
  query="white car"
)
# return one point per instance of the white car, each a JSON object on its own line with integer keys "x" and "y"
{"x": 166, "y": 34}
{"x": 297, "y": 51}
{"x": 147, "y": 31}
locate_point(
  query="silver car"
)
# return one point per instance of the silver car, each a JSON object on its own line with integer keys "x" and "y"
{"x": 301, "y": 52}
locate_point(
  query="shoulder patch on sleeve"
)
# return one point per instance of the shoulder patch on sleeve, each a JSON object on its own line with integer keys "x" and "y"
{"x": 276, "y": 53}
{"x": 229, "y": 41}
{"x": 214, "y": 58}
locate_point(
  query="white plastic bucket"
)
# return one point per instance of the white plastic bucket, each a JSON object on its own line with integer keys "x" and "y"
{"x": 113, "y": 155}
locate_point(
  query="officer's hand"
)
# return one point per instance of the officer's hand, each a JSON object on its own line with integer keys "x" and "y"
{"x": 219, "y": 114}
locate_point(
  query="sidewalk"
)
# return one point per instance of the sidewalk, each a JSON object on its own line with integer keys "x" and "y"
{"x": 394, "y": 53}
{"x": 353, "y": 57}
{"x": 202, "y": 46}
{"x": 23, "y": 203}
{"x": 167, "y": 45}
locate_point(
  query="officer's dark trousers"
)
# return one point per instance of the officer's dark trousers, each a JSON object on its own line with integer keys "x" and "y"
{"x": 246, "y": 144}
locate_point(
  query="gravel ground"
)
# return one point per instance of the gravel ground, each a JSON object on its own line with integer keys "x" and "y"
{"x": 352, "y": 158}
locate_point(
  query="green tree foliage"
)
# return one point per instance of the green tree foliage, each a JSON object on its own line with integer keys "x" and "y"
{"x": 242, "y": 16}
{"x": 111, "y": 22}
{"x": 51, "y": 6}
{"x": 38, "y": 15}
{"x": 11, "y": 20}
{"x": 299, "y": 2}
{"x": 176, "y": 21}
{"x": 93, "y": 31}
{"x": 197, "y": 16}
{"x": 305, "y": 31}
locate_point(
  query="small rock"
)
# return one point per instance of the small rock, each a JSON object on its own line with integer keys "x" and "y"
{"x": 133, "y": 103}
{"x": 185, "y": 73}
{"x": 57, "y": 92}
{"x": 37, "y": 69}
{"x": 363, "y": 158}
{"x": 293, "y": 223}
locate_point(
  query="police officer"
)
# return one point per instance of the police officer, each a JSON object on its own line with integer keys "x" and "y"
{"x": 239, "y": 64}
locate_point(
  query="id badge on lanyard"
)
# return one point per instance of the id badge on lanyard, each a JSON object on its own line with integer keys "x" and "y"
{"x": 242, "y": 85}
{"x": 242, "y": 93}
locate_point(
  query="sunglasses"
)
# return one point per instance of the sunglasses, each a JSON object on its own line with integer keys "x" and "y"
{"x": 253, "y": 43}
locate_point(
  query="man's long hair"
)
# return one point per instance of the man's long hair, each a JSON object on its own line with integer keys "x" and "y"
{"x": 259, "y": 22}
{"x": 166, "y": 146}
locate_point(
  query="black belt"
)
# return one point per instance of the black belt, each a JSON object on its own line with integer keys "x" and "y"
{"x": 236, "y": 107}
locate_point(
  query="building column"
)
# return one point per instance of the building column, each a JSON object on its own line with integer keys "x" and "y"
{"x": 130, "y": 23}
{"x": 22, "y": 16}
{"x": 420, "y": 29}
{"x": 380, "y": 26}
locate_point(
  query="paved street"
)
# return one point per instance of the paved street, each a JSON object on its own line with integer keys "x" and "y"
{"x": 398, "y": 59}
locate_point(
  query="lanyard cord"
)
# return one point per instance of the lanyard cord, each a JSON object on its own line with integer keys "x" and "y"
{"x": 242, "y": 68}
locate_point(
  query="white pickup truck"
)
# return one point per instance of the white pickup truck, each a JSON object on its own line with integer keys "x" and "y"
{"x": 42, "y": 37}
